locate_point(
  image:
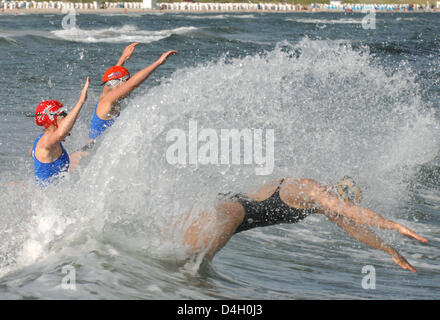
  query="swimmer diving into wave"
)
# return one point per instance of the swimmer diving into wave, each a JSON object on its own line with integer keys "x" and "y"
{"x": 286, "y": 201}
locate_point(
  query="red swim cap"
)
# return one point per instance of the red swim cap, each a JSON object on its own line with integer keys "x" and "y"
{"x": 45, "y": 114}
{"x": 115, "y": 72}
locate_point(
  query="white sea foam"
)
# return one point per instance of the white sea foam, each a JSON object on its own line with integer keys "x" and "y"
{"x": 324, "y": 21}
{"x": 22, "y": 33}
{"x": 220, "y": 16}
{"x": 126, "y": 33}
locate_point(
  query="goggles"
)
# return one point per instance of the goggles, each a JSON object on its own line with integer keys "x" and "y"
{"x": 51, "y": 115}
{"x": 115, "y": 82}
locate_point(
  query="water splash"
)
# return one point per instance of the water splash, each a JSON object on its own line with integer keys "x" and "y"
{"x": 335, "y": 111}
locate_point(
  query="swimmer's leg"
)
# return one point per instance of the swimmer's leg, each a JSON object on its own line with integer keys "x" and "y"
{"x": 307, "y": 193}
{"x": 364, "y": 235}
{"x": 207, "y": 232}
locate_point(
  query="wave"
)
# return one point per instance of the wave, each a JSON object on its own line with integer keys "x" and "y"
{"x": 23, "y": 33}
{"x": 126, "y": 33}
{"x": 220, "y": 16}
{"x": 407, "y": 19}
{"x": 8, "y": 39}
{"x": 323, "y": 21}
{"x": 131, "y": 14}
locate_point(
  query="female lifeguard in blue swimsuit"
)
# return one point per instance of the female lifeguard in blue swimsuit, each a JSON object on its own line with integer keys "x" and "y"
{"x": 285, "y": 201}
{"x": 117, "y": 85}
{"x": 50, "y": 157}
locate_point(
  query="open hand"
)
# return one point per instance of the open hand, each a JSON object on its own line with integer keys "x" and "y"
{"x": 165, "y": 56}
{"x": 83, "y": 97}
{"x": 410, "y": 233}
{"x": 401, "y": 261}
{"x": 128, "y": 51}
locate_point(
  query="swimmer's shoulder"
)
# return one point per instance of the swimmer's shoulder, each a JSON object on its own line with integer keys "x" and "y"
{"x": 266, "y": 191}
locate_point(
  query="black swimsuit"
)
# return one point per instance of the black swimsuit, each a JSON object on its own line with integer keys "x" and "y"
{"x": 271, "y": 211}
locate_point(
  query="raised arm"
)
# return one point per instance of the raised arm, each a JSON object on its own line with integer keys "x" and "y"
{"x": 126, "y": 54}
{"x": 125, "y": 89}
{"x": 69, "y": 121}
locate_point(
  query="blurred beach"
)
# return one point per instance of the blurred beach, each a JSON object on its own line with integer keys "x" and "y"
{"x": 45, "y": 7}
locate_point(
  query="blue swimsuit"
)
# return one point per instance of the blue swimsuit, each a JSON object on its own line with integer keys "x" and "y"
{"x": 98, "y": 126}
{"x": 48, "y": 172}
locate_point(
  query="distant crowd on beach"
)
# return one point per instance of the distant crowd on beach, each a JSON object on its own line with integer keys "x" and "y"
{"x": 59, "y": 5}
{"x": 332, "y": 6}
{"x": 194, "y": 6}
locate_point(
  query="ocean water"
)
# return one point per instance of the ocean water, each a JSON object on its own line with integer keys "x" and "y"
{"x": 340, "y": 99}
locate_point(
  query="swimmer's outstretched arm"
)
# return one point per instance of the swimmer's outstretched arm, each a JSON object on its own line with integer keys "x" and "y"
{"x": 126, "y": 54}
{"x": 311, "y": 194}
{"x": 364, "y": 235}
{"x": 365, "y": 216}
{"x": 69, "y": 121}
{"x": 136, "y": 80}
